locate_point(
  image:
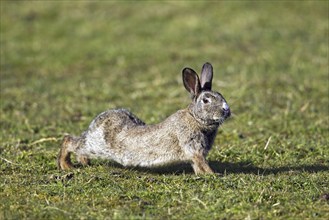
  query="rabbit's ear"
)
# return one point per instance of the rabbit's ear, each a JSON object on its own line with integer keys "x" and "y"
{"x": 191, "y": 81}
{"x": 206, "y": 76}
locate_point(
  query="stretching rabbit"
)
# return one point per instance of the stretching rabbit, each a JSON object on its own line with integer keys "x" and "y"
{"x": 185, "y": 136}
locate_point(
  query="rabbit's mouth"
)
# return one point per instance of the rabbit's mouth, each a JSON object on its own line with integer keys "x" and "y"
{"x": 220, "y": 120}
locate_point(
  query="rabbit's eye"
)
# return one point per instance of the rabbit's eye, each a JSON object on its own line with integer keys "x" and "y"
{"x": 205, "y": 101}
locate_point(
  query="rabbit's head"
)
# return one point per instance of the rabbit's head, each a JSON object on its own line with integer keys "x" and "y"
{"x": 208, "y": 107}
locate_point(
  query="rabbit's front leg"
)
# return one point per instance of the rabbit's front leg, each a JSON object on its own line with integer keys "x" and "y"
{"x": 200, "y": 165}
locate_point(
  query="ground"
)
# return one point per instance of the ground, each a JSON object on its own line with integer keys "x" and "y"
{"x": 62, "y": 63}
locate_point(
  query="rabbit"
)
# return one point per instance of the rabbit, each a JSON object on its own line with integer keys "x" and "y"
{"x": 185, "y": 136}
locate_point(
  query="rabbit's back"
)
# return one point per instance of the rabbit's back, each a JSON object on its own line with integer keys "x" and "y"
{"x": 115, "y": 118}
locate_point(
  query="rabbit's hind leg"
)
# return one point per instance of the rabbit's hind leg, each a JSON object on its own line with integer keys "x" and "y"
{"x": 64, "y": 157}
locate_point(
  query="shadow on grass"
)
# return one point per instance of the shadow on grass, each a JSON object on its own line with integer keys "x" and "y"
{"x": 227, "y": 168}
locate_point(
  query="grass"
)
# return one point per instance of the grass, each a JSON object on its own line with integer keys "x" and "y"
{"x": 62, "y": 63}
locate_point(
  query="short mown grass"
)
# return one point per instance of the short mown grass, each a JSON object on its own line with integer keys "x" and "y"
{"x": 64, "y": 62}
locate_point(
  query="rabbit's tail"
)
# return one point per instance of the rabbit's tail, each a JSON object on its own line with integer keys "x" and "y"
{"x": 69, "y": 145}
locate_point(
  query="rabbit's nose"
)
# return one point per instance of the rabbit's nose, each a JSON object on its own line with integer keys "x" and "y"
{"x": 226, "y": 110}
{"x": 225, "y": 107}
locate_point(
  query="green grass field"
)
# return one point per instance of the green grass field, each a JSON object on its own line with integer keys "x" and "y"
{"x": 62, "y": 63}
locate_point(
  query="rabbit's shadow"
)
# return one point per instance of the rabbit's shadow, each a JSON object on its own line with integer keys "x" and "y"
{"x": 249, "y": 168}
{"x": 228, "y": 168}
